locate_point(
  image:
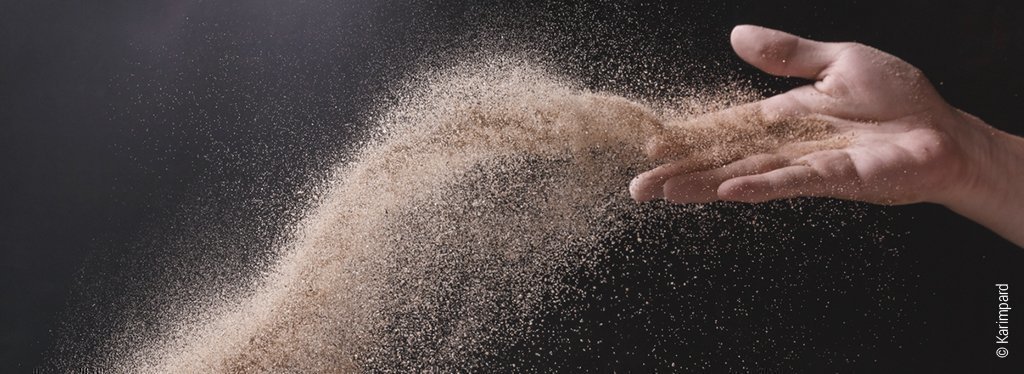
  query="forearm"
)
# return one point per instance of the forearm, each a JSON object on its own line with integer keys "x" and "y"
{"x": 993, "y": 192}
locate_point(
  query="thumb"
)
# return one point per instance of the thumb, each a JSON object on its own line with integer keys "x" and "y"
{"x": 780, "y": 53}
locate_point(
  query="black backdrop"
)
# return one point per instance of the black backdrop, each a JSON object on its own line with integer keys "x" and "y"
{"x": 126, "y": 124}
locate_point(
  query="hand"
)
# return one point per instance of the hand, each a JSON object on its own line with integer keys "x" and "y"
{"x": 906, "y": 144}
{"x": 902, "y": 136}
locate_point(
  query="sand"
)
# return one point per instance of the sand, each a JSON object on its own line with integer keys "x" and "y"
{"x": 440, "y": 242}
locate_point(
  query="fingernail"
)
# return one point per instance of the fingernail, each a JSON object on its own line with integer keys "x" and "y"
{"x": 636, "y": 191}
{"x": 633, "y": 190}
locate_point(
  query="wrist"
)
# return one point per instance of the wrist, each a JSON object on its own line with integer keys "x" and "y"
{"x": 989, "y": 184}
{"x": 979, "y": 145}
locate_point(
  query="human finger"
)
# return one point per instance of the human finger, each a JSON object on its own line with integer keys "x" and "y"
{"x": 673, "y": 140}
{"x": 702, "y": 186}
{"x": 781, "y": 53}
{"x": 828, "y": 173}
{"x": 648, "y": 185}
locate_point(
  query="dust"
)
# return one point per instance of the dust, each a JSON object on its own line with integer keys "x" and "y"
{"x": 440, "y": 243}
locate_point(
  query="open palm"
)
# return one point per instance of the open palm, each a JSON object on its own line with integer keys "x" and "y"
{"x": 903, "y": 138}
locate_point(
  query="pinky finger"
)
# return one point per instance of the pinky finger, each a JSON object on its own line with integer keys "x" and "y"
{"x": 787, "y": 182}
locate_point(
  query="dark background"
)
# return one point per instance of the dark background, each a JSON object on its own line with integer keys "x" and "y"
{"x": 127, "y": 126}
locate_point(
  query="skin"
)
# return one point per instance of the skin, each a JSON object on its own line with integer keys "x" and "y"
{"x": 906, "y": 144}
